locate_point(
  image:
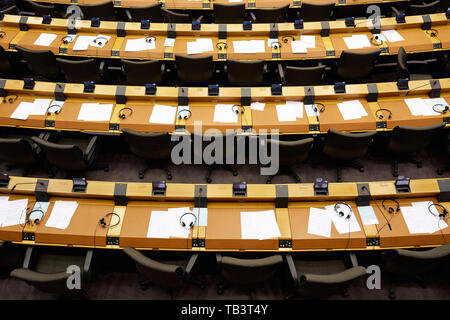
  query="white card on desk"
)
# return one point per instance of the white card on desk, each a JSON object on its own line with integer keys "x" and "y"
{"x": 258, "y": 106}
{"x": 169, "y": 42}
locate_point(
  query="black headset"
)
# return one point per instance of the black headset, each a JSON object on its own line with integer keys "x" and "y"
{"x": 123, "y": 115}
{"x": 375, "y": 40}
{"x": 2, "y": 34}
{"x": 276, "y": 45}
{"x": 381, "y": 116}
{"x": 441, "y": 111}
{"x": 97, "y": 40}
{"x": 36, "y": 221}
{"x": 221, "y": 45}
{"x": 103, "y": 223}
{"x": 391, "y": 209}
{"x": 185, "y": 117}
{"x": 149, "y": 39}
{"x": 444, "y": 210}
{"x": 286, "y": 39}
{"x": 322, "y": 109}
{"x": 54, "y": 106}
{"x": 10, "y": 98}
{"x": 342, "y": 213}
{"x": 67, "y": 39}
{"x": 192, "y": 223}
{"x": 236, "y": 110}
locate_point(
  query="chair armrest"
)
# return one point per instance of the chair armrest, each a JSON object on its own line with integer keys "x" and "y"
{"x": 435, "y": 253}
{"x": 44, "y": 135}
{"x": 395, "y": 11}
{"x": 34, "y": 276}
{"x": 219, "y": 261}
{"x": 252, "y": 16}
{"x": 87, "y": 266}
{"x": 127, "y": 12}
{"x": 91, "y": 148}
{"x": 27, "y": 258}
{"x": 291, "y": 267}
{"x": 200, "y": 19}
{"x": 353, "y": 259}
{"x": 190, "y": 266}
{"x": 101, "y": 67}
{"x": 340, "y": 277}
{"x": 281, "y": 73}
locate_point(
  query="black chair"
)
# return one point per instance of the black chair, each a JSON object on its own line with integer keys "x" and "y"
{"x": 246, "y": 271}
{"x": 290, "y": 154}
{"x": 170, "y": 274}
{"x": 301, "y": 76}
{"x": 404, "y": 142}
{"x": 356, "y": 65}
{"x": 104, "y": 11}
{"x": 246, "y": 73}
{"x": 229, "y": 13}
{"x": 41, "y": 10}
{"x": 403, "y": 67}
{"x": 440, "y": 171}
{"x": 270, "y": 15}
{"x": 10, "y": 10}
{"x": 414, "y": 264}
{"x": 316, "y": 12}
{"x": 418, "y": 9}
{"x": 40, "y": 62}
{"x": 175, "y": 17}
{"x": 318, "y": 277}
{"x": 48, "y": 270}
{"x": 219, "y": 154}
{"x": 5, "y": 64}
{"x": 71, "y": 154}
{"x": 345, "y": 148}
{"x": 143, "y": 72}
{"x": 10, "y": 258}
{"x": 79, "y": 71}
{"x": 152, "y": 147}
{"x": 194, "y": 69}
{"x": 152, "y": 13}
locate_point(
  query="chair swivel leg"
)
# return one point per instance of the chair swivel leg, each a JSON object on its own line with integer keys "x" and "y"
{"x": 440, "y": 171}
{"x": 143, "y": 171}
{"x": 294, "y": 174}
{"x": 395, "y": 168}
{"x": 168, "y": 173}
{"x": 339, "y": 173}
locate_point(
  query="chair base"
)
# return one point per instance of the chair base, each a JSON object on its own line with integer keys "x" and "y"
{"x": 352, "y": 164}
{"x": 287, "y": 170}
{"x": 228, "y": 167}
{"x": 165, "y": 168}
{"x": 395, "y": 162}
{"x": 441, "y": 171}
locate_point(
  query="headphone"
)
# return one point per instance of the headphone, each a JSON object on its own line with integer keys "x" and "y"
{"x": 2, "y": 34}
{"x": 286, "y": 39}
{"x": 55, "y": 112}
{"x": 341, "y": 213}
{"x": 149, "y": 39}
{"x": 432, "y": 32}
{"x": 276, "y": 45}
{"x": 102, "y": 221}
{"x": 96, "y": 40}
{"x": 179, "y": 116}
{"x": 67, "y": 39}
{"x": 444, "y": 210}
{"x": 192, "y": 223}
{"x": 221, "y": 45}
{"x": 441, "y": 111}
{"x": 11, "y": 99}
{"x": 36, "y": 221}
{"x": 123, "y": 115}
{"x": 381, "y": 116}
{"x": 378, "y": 41}
{"x": 391, "y": 209}
{"x": 236, "y": 110}
{"x": 322, "y": 109}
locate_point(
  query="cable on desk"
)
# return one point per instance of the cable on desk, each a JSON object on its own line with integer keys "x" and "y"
{"x": 381, "y": 116}
{"x": 424, "y": 85}
{"x": 123, "y": 115}
{"x": 221, "y": 45}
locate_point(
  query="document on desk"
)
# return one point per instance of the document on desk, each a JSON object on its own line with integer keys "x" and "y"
{"x": 134, "y": 45}
{"x": 224, "y": 113}
{"x": 297, "y": 106}
{"x": 45, "y": 39}
{"x": 163, "y": 114}
{"x": 424, "y": 107}
{"x": 342, "y": 224}
{"x": 319, "y": 222}
{"x": 290, "y": 111}
{"x": 392, "y": 35}
{"x": 351, "y": 110}
{"x": 22, "y": 111}
{"x": 82, "y": 43}
{"x": 95, "y": 112}
{"x": 61, "y": 214}
{"x": 158, "y": 225}
{"x": 435, "y": 223}
{"x": 418, "y": 219}
{"x": 367, "y": 215}
{"x": 257, "y": 106}
{"x": 3, "y": 209}
{"x": 259, "y": 225}
{"x": 193, "y": 48}
{"x": 205, "y": 44}
{"x": 299, "y": 47}
{"x": 249, "y": 46}
{"x": 176, "y": 229}
{"x": 169, "y": 42}
{"x": 357, "y": 41}
{"x": 15, "y": 212}
{"x": 40, "y": 107}
{"x": 312, "y": 110}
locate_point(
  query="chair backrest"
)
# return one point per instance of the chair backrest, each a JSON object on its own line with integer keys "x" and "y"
{"x": 104, "y": 11}
{"x": 150, "y": 146}
{"x": 292, "y": 152}
{"x": 163, "y": 274}
{"x": 316, "y": 12}
{"x": 40, "y": 62}
{"x": 142, "y": 72}
{"x": 245, "y": 73}
{"x": 229, "y": 13}
{"x": 5, "y": 65}
{"x": 152, "y": 12}
{"x": 42, "y": 9}
{"x": 17, "y": 151}
{"x": 250, "y": 271}
{"x": 10, "y": 10}
{"x": 405, "y": 139}
{"x": 402, "y": 67}
{"x": 9, "y": 258}
{"x": 79, "y": 71}
{"x": 419, "y": 9}
{"x": 347, "y": 146}
{"x": 51, "y": 283}
{"x": 272, "y": 15}
{"x": 194, "y": 69}
{"x": 304, "y": 76}
{"x": 68, "y": 157}
{"x": 356, "y": 65}
{"x": 175, "y": 17}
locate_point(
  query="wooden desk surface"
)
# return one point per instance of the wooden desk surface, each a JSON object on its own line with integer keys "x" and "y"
{"x": 14, "y": 233}
{"x": 139, "y": 120}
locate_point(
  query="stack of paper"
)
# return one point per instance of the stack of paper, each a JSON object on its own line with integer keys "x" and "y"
{"x": 420, "y": 220}
{"x": 199, "y": 46}
{"x": 61, "y": 214}
{"x": 45, "y": 39}
{"x": 95, "y": 112}
{"x": 259, "y": 225}
{"x": 250, "y": 46}
{"x": 134, "y": 45}
{"x": 302, "y": 45}
{"x": 291, "y": 111}
{"x": 224, "y": 113}
{"x": 392, "y": 35}
{"x": 351, "y": 110}
{"x": 38, "y": 108}
{"x": 165, "y": 224}
{"x": 12, "y": 212}
{"x": 424, "y": 107}
{"x": 357, "y": 41}
{"x": 163, "y": 114}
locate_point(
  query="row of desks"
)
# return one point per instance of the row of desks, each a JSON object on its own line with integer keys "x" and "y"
{"x": 24, "y": 31}
{"x": 223, "y": 229}
{"x": 202, "y": 108}
{"x": 209, "y": 4}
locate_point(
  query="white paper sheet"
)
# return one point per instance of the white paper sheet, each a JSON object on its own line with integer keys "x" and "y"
{"x": 224, "y": 113}
{"x": 319, "y": 222}
{"x": 351, "y": 110}
{"x": 62, "y": 214}
{"x": 95, "y": 112}
{"x": 434, "y": 222}
{"x": 309, "y": 108}
{"x": 82, "y": 43}
{"x": 286, "y": 112}
{"x": 417, "y": 220}
{"x": 176, "y": 229}
{"x": 309, "y": 41}
{"x": 163, "y": 114}
{"x": 16, "y": 213}
{"x": 259, "y": 225}
{"x": 205, "y": 44}
{"x": 250, "y": 46}
{"x": 158, "y": 225}
{"x": 257, "y": 106}
{"x": 392, "y": 35}
{"x": 299, "y": 47}
{"x": 45, "y": 39}
{"x": 342, "y": 224}
{"x": 193, "y": 48}
{"x": 134, "y": 45}
{"x": 357, "y": 41}
{"x": 169, "y": 42}
{"x": 22, "y": 111}
{"x": 40, "y": 107}
{"x": 298, "y": 107}
{"x": 367, "y": 215}
{"x": 3, "y": 209}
